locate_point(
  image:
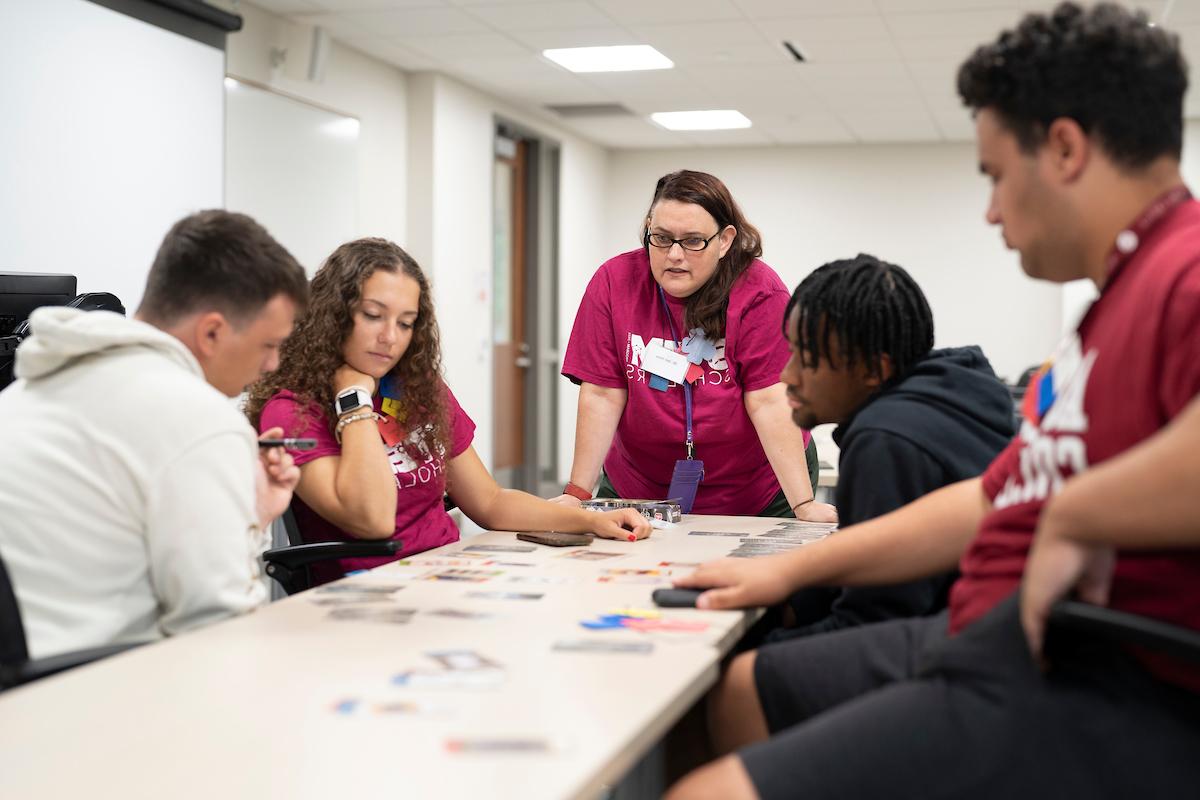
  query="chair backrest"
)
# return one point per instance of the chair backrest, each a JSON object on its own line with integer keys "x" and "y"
{"x": 292, "y": 527}
{"x": 13, "y": 649}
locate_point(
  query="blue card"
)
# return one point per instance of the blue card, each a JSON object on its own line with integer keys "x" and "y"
{"x": 659, "y": 383}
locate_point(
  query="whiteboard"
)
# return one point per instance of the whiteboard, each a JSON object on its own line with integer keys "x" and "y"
{"x": 113, "y": 131}
{"x": 294, "y": 168}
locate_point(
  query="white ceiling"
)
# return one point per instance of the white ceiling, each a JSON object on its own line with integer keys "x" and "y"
{"x": 876, "y": 70}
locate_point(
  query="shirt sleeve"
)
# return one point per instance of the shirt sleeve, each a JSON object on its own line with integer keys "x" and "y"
{"x": 285, "y": 412}
{"x": 1180, "y": 333}
{"x": 592, "y": 355}
{"x": 202, "y": 533}
{"x": 462, "y": 427}
{"x": 1001, "y": 468}
{"x": 760, "y": 352}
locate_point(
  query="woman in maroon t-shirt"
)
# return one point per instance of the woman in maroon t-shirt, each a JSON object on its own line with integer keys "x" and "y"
{"x": 361, "y": 375}
{"x": 695, "y": 285}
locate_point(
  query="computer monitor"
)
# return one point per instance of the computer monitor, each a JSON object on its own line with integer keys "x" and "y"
{"x": 22, "y": 292}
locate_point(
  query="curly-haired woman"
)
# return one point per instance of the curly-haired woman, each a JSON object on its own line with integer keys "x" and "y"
{"x": 361, "y": 374}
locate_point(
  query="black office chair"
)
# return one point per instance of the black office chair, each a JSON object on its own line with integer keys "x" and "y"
{"x": 289, "y": 566}
{"x": 16, "y": 667}
{"x": 1121, "y": 627}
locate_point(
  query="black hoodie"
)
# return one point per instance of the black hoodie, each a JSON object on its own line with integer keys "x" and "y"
{"x": 942, "y": 423}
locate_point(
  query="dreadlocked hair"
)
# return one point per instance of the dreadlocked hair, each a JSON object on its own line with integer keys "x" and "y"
{"x": 706, "y": 308}
{"x": 874, "y": 308}
{"x": 313, "y": 353}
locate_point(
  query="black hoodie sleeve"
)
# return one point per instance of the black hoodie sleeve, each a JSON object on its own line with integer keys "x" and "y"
{"x": 878, "y": 473}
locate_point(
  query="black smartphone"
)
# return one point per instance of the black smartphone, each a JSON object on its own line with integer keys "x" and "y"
{"x": 556, "y": 538}
{"x": 676, "y": 598}
{"x": 290, "y": 444}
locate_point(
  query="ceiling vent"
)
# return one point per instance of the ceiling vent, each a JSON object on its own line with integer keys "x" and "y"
{"x": 575, "y": 110}
{"x": 794, "y": 51}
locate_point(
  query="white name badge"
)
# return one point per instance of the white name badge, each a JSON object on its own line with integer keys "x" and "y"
{"x": 658, "y": 360}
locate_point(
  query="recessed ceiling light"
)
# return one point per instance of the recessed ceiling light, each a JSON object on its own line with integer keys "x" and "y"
{"x": 701, "y": 120}
{"x": 618, "y": 58}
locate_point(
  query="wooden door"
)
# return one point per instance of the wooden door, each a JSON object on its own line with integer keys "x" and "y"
{"x": 510, "y": 349}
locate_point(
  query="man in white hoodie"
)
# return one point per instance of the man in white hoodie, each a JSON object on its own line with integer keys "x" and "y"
{"x": 133, "y": 499}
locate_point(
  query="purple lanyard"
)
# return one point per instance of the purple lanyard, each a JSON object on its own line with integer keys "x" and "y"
{"x": 690, "y": 442}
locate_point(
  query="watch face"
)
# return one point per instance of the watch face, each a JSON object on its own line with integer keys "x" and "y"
{"x": 347, "y": 402}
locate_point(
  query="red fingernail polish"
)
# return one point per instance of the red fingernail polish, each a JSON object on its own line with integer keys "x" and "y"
{"x": 632, "y": 538}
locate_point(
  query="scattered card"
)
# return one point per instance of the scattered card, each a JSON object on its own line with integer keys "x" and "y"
{"x": 590, "y": 555}
{"x": 467, "y": 575}
{"x": 357, "y": 587}
{"x": 505, "y": 595}
{"x": 392, "y": 616}
{"x": 500, "y": 548}
{"x": 603, "y": 646}
{"x": 515, "y": 745}
{"x": 462, "y": 660}
{"x": 715, "y": 533}
{"x": 459, "y": 613}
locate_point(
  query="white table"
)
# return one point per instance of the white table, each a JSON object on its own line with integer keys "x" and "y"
{"x": 246, "y": 708}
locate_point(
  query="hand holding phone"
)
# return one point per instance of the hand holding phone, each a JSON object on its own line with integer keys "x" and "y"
{"x": 290, "y": 444}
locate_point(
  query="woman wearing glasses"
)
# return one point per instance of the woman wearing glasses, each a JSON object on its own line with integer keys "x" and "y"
{"x": 677, "y": 351}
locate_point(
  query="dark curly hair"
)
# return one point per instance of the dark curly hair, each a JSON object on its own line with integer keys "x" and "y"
{"x": 1109, "y": 69}
{"x": 311, "y": 355}
{"x": 707, "y": 306}
{"x": 874, "y": 307}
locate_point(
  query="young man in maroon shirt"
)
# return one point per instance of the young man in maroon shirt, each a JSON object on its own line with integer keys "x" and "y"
{"x": 1079, "y": 128}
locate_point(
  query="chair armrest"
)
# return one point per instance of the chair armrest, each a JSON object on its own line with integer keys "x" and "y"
{"x": 300, "y": 555}
{"x": 1125, "y": 628}
{"x": 52, "y": 665}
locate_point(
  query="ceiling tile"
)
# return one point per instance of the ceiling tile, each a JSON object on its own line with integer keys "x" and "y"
{"x": 641, "y": 12}
{"x": 741, "y": 137}
{"x": 821, "y": 51}
{"x": 803, "y": 128}
{"x": 940, "y": 48}
{"x": 625, "y": 132}
{"x": 956, "y": 126}
{"x": 830, "y": 29}
{"x": 575, "y": 37}
{"x": 369, "y": 5}
{"x": 972, "y": 26}
{"x": 407, "y": 22}
{"x": 692, "y": 35}
{"x": 465, "y": 46}
{"x": 770, "y": 9}
{"x": 340, "y": 26}
{"x": 541, "y": 16}
{"x": 892, "y": 126}
{"x": 388, "y": 51}
{"x": 915, "y": 6}
{"x": 873, "y": 101}
{"x": 288, "y": 6}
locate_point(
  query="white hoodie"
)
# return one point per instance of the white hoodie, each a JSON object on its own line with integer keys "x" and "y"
{"x": 127, "y": 506}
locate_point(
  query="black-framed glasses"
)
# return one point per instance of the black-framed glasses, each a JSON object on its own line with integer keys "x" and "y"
{"x": 692, "y": 243}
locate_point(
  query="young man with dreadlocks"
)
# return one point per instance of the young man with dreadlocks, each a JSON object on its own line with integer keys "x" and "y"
{"x": 1079, "y": 127}
{"x": 910, "y": 419}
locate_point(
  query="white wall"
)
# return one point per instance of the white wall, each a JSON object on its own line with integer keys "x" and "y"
{"x": 920, "y": 206}
{"x": 354, "y": 85}
{"x": 449, "y": 219}
{"x": 112, "y": 132}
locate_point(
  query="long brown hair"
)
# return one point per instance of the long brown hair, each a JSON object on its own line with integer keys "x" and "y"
{"x": 706, "y": 308}
{"x": 311, "y": 355}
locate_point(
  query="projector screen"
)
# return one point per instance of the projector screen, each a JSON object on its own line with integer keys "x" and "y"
{"x": 113, "y": 130}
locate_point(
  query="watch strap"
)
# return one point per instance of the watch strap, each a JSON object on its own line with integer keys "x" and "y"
{"x": 577, "y": 491}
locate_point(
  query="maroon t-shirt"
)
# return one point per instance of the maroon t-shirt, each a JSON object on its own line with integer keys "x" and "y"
{"x": 420, "y": 473}
{"x": 620, "y": 316}
{"x": 1130, "y": 367}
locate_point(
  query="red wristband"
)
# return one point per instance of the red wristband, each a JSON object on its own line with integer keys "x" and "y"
{"x": 577, "y": 491}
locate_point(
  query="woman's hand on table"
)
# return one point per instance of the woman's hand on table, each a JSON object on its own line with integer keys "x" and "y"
{"x": 737, "y": 583}
{"x": 624, "y": 524}
{"x": 816, "y": 512}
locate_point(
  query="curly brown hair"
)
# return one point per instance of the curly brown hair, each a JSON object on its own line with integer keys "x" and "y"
{"x": 707, "y": 307}
{"x": 311, "y": 355}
